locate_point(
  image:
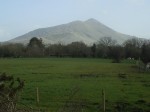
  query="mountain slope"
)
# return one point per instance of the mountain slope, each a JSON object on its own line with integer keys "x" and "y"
{"x": 89, "y": 31}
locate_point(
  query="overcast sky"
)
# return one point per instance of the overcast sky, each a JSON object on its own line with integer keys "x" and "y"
{"x": 18, "y": 17}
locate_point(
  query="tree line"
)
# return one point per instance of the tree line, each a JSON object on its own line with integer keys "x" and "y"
{"x": 106, "y": 47}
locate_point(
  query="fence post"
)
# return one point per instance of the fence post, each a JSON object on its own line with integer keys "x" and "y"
{"x": 37, "y": 96}
{"x": 103, "y": 97}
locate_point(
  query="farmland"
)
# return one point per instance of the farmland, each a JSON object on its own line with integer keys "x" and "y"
{"x": 78, "y": 83}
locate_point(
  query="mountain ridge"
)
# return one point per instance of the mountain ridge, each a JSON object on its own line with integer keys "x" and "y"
{"x": 89, "y": 32}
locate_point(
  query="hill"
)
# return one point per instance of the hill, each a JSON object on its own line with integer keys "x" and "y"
{"x": 89, "y": 32}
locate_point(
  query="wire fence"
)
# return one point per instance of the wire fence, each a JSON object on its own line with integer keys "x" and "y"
{"x": 73, "y": 104}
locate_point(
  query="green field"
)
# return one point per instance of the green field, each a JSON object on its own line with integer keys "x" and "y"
{"x": 71, "y": 83}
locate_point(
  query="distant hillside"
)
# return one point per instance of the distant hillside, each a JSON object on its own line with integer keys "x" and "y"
{"x": 89, "y": 31}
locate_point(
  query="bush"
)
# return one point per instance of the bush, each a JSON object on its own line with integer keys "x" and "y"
{"x": 9, "y": 89}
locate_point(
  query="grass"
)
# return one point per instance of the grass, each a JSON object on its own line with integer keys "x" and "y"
{"x": 80, "y": 80}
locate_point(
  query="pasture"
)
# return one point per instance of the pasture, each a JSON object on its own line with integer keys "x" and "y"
{"x": 77, "y": 83}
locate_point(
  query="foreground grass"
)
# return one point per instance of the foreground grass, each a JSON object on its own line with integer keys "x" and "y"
{"x": 80, "y": 80}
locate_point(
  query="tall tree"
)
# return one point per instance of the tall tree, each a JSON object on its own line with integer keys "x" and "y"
{"x": 133, "y": 47}
{"x": 104, "y": 45}
{"x": 116, "y": 53}
{"x": 145, "y": 54}
{"x": 93, "y": 49}
{"x": 35, "y": 47}
{"x": 78, "y": 49}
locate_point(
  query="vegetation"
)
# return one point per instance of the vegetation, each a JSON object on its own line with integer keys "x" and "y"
{"x": 35, "y": 48}
{"x": 134, "y": 48}
{"x": 9, "y": 90}
{"x": 76, "y": 84}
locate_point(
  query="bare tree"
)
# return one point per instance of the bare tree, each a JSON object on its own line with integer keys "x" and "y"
{"x": 107, "y": 41}
{"x": 104, "y": 45}
{"x": 133, "y": 47}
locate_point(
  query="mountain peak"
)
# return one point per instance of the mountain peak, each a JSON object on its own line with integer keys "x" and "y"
{"x": 92, "y": 20}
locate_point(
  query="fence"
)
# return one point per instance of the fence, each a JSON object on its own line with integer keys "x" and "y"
{"x": 7, "y": 105}
{"x": 71, "y": 105}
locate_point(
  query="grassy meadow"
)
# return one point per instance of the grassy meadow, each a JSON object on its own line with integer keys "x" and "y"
{"x": 71, "y": 83}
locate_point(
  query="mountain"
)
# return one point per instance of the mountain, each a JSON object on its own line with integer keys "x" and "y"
{"x": 89, "y": 32}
